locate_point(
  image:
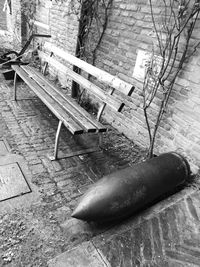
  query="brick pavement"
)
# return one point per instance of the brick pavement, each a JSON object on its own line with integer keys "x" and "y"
{"x": 168, "y": 238}
{"x": 38, "y": 231}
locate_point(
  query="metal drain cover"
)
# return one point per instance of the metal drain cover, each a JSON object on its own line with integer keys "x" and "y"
{"x": 12, "y": 182}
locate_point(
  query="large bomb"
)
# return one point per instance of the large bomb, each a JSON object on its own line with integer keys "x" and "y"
{"x": 126, "y": 191}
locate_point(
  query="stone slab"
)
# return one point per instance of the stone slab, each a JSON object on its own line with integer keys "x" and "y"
{"x": 85, "y": 255}
{"x": 3, "y": 148}
{"x": 12, "y": 182}
{"x": 25, "y": 200}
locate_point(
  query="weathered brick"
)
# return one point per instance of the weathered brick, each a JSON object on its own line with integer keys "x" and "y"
{"x": 192, "y": 209}
{"x": 182, "y": 257}
{"x": 37, "y": 168}
{"x": 157, "y": 244}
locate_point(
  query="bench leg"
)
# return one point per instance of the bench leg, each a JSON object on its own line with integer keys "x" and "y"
{"x": 15, "y": 86}
{"x": 55, "y": 156}
{"x": 78, "y": 152}
{"x": 100, "y": 140}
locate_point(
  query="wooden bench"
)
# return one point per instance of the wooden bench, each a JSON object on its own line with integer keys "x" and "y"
{"x": 69, "y": 113}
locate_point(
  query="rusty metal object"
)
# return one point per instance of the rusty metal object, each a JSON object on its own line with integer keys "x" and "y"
{"x": 124, "y": 192}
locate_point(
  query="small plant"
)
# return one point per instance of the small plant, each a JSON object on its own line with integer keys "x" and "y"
{"x": 173, "y": 32}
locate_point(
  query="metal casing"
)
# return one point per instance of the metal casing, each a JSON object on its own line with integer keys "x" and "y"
{"x": 126, "y": 191}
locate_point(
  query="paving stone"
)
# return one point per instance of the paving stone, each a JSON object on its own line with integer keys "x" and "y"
{"x": 193, "y": 241}
{"x": 3, "y": 148}
{"x": 173, "y": 226}
{"x": 48, "y": 165}
{"x": 61, "y": 215}
{"x": 12, "y": 181}
{"x": 57, "y": 166}
{"x": 137, "y": 246}
{"x": 84, "y": 255}
{"x": 192, "y": 209}
{"x": 37, "y": 168}
{"x": 195, "y": 252}
{"x": 156, "y": 235}
{"x": 77, "y": 230}
{"x": 147, "y": 241}
{"x": 120, "y": 249}
{"x": 182, "y": 257}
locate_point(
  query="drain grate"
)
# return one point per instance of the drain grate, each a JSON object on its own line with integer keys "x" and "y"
{"x": 12, "y": 182}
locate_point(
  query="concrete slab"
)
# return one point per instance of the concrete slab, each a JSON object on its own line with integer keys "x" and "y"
{"x": 85, "y": 255}
{"x": 12, "y": 182}
{"x": 15, "y": 180}
{"x": 4, "y": 147}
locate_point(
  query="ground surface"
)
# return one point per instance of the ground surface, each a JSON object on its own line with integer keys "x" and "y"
{"x": 36, "y": 229}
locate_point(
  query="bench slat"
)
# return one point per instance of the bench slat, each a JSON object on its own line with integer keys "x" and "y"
{"x": 76, "y": 111}
{"x": 61, "y": 114}
{"x": 73, "y": 103}
{"x": 88, "y": 127}
{"x": 101, "y": 75}
{"x": 93, "y": 89}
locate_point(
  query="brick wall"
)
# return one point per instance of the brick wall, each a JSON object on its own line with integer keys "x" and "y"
{"x": 130, "y": 29}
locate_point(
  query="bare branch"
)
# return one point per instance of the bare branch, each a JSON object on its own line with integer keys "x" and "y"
{"x": 180, "y": 26}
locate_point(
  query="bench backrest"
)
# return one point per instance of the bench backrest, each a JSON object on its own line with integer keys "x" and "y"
{"x": 106, "y": 97}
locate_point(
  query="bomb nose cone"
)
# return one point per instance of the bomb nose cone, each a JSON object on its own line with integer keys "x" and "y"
{"x": 90, "y": 203}
{"x": 76, "y": 214}
{"x": 79, "y": 213}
